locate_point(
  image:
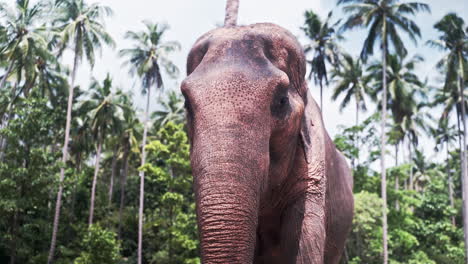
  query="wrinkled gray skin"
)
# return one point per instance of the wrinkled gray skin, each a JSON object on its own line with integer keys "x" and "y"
{"x": 270, "y": 185}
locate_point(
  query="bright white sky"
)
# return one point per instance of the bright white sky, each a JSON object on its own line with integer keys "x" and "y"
{"x": 188, "y": 19}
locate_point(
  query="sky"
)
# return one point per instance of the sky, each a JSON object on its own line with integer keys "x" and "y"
{"x": 189, "y": 19}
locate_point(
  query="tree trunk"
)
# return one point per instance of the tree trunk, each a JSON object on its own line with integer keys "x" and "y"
{"x": 142, "y": 180}
{"x": 171, "y": 221}
{"x": 383, "y": 144}
{"x": 93, "y": 189}
{"x": 397, "y": 180}
{"x": 3, "y": 140}
{"x": 356, "y": 136}
{"x": 345, "y": 255}
{"x": 410, "y": 150}
{"x": 58, "y": 203}
{"x": 403, "y": 158}
{"x": 29, "y": 85}
{"x": 123, "y": 181}
{"x": 450, "y": 183}
{"x": 7, "y": 116}
{"x": 463, "y": 164}
{"x": 14, "y": 233}
{"x": 7, "y": 73}
{"x": 113, "y": 169}
{"x": 321, "y": 96}
{"x": 232, "y": 9}
{"x": 75, "y": 183}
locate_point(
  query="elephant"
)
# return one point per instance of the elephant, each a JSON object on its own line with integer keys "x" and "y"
{"x": 270, "y": 185}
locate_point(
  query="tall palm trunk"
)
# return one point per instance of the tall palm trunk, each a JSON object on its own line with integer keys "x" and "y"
{"x": 397, "y": 180}
{"x": 5, "y": 120}
{"x": 123, "y": 181}
{"x": 2, "y": 84}
{"x": 321, "y": 96}
{"x": 75, "y": 183}
{"x": 450, "y": 183}
{"x": 93, "y": 189}
{"x": 113, "y": 169}
{"x": 58, "y": 203}
{"x": 410, "y": 150}
{"x": 142, "y": 179}
{"x": 383, "y": 143}
{"x": 463, "y": 162}
{"x": 355, "y": 161}
{"x": 232, "y": 9}
{"x": 3, "y": 140}
{"x": 7, "y": 73}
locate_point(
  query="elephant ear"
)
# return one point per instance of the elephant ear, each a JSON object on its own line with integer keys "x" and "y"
{"x": 312, "y": 131}
{"x": 305, "y": 133}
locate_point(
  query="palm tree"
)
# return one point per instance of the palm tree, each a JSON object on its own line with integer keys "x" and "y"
{"x": 445, "y": 134}
{"x": 413, "y": 122}
{"x": 454, "y": 41}
{"x": 25, "y": 44}
{"x": 81, "y": 28}
{"x": 422, "y": 167}
{"x": 114, "y": 142}
{"x": 81, "y": 145}
{"x": 172, "y": 109}
{"x": 145, "y": 58}
{"x": 117, "y": 140}
{"x": 383, "y": 18}
{"x": 52, "y": 81}
{"x": 129, "y": 141}
{"x": 351, "y": 81}
{"x": 324, "y": 45}
{"x": 25, "y": 39}
{"x": 106, "y": 117}
{"x": 404, "y": 90}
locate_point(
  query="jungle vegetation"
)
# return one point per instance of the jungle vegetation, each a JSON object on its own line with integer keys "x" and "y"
{"x": 86, "y": 177}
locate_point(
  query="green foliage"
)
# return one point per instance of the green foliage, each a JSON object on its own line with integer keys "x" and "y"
{"x": 99, "y": 246}
{"x": 365, "y": 242}
{"x": 171, "y": 205}
{"x": 420, "y": 231}
{"x": 26, "y": 176}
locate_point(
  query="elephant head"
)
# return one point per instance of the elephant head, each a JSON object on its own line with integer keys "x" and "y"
{"x": 252, "y": 126}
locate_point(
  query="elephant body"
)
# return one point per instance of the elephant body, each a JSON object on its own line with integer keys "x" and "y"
{"x": 270, "y": 185}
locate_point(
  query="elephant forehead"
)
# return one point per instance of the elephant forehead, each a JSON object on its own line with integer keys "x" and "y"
{"x": 261, "y": 31}
{"x": 256, "y": 44}
{"x": 228, "y": 90}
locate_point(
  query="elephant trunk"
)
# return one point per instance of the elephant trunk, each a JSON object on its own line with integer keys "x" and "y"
{"x": 228, "y": 182}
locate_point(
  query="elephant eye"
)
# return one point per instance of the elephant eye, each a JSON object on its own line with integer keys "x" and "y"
{"x": 284, "y": 100}
{"x": 280, "y": 108}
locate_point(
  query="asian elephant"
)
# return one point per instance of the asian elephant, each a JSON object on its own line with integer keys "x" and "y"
{"x": 270, "y": 185}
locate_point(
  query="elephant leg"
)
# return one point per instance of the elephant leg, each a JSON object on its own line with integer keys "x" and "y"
{"x": 303, "y": 232}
